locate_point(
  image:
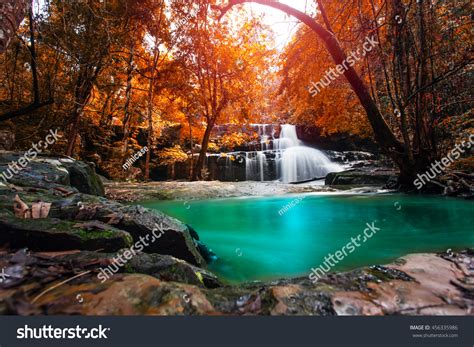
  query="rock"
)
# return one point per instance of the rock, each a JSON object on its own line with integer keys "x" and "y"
{"x": 354, "y": 304}
{"x": 158, "y": 232}
{"x": 46, "y": 171}
{"x": 361, "y": 177}
{"x": 414, "y": 285}
{"x": 51, "y": 234}
{"x": 169, "y": 236}
{"x": 207, "y": 253}
{"x": 351, "y": 156}
{"x": 41, "y": 172}
{"x": 161, "y": 233}
{"x": 167, "y": 268}
{"x": 297, "y": 300}
{"x": 162, "y": 267}
{"x": 83, "y": 177}
{"x": 136, "y": 295}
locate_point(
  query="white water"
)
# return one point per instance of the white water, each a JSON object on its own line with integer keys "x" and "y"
{"x": 294, "y": 161}
{"x": 300, "y": 163}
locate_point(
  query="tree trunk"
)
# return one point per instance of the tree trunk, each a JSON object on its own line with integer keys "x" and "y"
{"x": 191, "y": 142}
{"x": 36, "y": 104}
{"x": 128, "y": 96}
{"x": 156, "y": 55}
{"x": 84, "y": 85}
{"x": 424, "y": 137}
{"x": 149, "y": 142}
{"x": 80, "y": 101}
{"x": 197, "y": 172}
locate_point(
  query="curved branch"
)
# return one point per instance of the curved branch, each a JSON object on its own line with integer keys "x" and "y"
{"x": 325, "y": 17}
{"x": 25, "y": 110}
{"x": 383, "y": 134}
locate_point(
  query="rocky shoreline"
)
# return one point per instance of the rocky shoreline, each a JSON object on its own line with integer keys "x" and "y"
{"x": 58, "y": 235}
{"x": 201, "y": 190}
{"x": 63, "y": 283}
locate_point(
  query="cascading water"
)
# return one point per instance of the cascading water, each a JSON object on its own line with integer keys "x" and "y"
{"x": 285, "y": 158}
{"x": 301, "y": 163}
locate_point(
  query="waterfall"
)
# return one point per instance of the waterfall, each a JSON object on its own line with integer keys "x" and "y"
{"x": 278, "y": 154}
{"x": 299, "y": 162}
{"x": 292, "y": 161}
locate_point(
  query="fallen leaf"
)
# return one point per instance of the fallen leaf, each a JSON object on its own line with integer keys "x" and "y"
{"x": 56, "y": 254}
{"x": 86, "y": 212}
{"x": 40, "y": 210}
{"x": 64, "y": 191}
{"x": 114, "y": 218}
{"x": 21, "y": 209}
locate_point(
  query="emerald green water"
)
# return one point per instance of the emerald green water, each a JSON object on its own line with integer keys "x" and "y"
{"x": 253, "y": 242}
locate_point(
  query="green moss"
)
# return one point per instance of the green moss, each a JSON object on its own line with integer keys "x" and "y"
{"x": 128, "y": 268}
{"x": 52, "y": 226}
{"x": 199, "y": 276}
{"x": 94, "y": 234}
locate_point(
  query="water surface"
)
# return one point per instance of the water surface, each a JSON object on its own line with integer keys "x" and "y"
{"x": 255, "y": 242}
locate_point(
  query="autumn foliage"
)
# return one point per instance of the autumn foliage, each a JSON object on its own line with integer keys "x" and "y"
{"x": 119, "y": 74}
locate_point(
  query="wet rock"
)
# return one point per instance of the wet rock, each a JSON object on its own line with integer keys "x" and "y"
{"x": 189, "y": 191}
{"x": 410, "y": 286}
{"x": 136, "y": 295}
{"x": 361, "y": 177}
{"x": 83, "y": 177}
{"x": 354, "y": 304}
{"x": 351, "y": 157}
{"x": 158, "y": 232}
{"x": 45, "y": 171}
{"x": 168, "y": 268}
{"x": 297, "y": 300}
{"x": 52, "y": 234}
{"x": 163, "y": 267}
{"x": 208, "y": 255}
{"x": 438, "y": 275}
{"x": 414, "y": 285}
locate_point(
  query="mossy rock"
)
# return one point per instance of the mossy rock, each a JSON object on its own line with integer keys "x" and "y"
{"x": 162, "y": 267}
{"x": 83, "y": 177}
{"x": 168, "y": 268}
{"x": 51, "y": 234}
{"x": 46, "y": 171}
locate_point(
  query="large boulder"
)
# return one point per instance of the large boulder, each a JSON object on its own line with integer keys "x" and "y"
{"x": 127, "y": 294}
{"x": 44, "y": 171}
{"x": 160, "y": 233}
{"x": 162, "y": 267}
{"x": 83, "y": 177}
{"x": 51, "y": 234}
